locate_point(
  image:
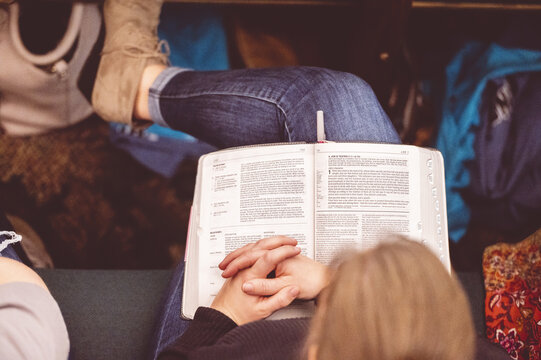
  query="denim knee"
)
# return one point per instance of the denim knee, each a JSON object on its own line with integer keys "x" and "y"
{"x": 351, "y": 109}
{"x": 338, "y": 84}
{"x": 318, "y": 83}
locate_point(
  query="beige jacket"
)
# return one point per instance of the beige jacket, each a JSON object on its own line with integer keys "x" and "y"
{"x": 34, "y": 100}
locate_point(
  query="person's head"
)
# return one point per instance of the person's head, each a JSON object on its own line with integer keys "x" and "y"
{"x": 393, "y": 302}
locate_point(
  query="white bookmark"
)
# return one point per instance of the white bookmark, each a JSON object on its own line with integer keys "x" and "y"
{"x": 320, "y": 126}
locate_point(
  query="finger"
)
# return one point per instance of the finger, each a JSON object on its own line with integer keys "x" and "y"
{"x": 234, "y": 254}
{"x": 263, "y": 244}
{"x": 274, "y": 242}
{"x": 280, "y": 300}
{"x": 244, "y": 261}
{"x": 264, "y": 287}
{"x": 266, "y": 263}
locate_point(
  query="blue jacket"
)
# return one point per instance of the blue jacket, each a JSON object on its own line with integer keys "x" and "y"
{"x": 466, "y": 77}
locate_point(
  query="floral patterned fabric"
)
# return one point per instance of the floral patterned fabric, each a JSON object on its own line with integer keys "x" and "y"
{"x": 513, "y": 296}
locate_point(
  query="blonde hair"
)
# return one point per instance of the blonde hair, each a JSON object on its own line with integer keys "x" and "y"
{"x": 393, "y": 302}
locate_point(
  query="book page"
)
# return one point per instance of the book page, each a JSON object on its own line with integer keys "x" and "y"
{"x": 433, "y": 205}
{"x": 248, "y": 194}
{"x": 364, "y": 191}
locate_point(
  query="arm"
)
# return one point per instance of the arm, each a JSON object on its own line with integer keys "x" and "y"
{"x": 233, "y": 307}
{"x": 15, "y": 271}
{"x": 30, "y": 319}
{"x": 282, "y": 339}
{"x": 207, "y": 327}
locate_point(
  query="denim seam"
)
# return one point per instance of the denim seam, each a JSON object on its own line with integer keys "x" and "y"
{"x": 302, "y": 98}
{"x": 283, "y": 111}
{"x": 184, "y": 97}
{"x": 154, "y": 93}
{"x": 160, "y": 336}
{"x": 154, "y": 109}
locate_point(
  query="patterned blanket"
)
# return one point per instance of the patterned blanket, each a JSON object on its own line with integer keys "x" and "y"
{"x": 513, "y": 296}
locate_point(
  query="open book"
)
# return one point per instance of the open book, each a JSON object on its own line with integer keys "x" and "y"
{"x": 328, "y": 196}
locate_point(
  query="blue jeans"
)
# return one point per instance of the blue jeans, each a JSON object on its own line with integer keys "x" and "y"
{"x": 9, "y": 252}
{"x": 255, "y": 106}
{"x": 242, "y": 107}
{"x": 170, "y": 325}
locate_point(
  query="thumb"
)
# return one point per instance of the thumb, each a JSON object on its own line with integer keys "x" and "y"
{"x": 280, "y": 300}
{"x": 264, "y": 287}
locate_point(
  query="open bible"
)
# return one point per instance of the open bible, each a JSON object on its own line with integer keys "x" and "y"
{"x": 328, "y": 196}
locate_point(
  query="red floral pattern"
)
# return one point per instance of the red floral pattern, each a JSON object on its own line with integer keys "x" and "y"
{"x": 513, "y": 296}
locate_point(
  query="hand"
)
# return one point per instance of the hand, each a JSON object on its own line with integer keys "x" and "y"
{"x": 310, "y": 276}
{"x": 243, "y": 308}
{"x": 247, "y": 255}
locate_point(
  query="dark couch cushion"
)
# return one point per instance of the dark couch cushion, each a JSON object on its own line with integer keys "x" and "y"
{"x": 109, "y": 314}
{"x": 474, "y": 287}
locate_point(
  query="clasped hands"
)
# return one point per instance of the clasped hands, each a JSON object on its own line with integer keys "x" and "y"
{"x": 248, "y": 295}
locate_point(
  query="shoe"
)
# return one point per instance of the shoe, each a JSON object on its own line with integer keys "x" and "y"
{"x": 131, "y": 44}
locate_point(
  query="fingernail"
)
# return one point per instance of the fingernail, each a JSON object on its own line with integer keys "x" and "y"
{"x": 247, "y": 287}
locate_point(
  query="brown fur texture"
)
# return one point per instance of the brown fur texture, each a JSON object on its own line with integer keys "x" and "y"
{"x": 93, "y": 205}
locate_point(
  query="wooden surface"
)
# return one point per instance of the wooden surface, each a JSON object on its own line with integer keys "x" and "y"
{"x": 271, "y": 2}
{"x": 475, "y": 5}
{"x": 419, "y": 4}
{"x": 495, "y": 5}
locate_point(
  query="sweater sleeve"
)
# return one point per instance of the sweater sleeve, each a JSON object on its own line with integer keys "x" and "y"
{"x": 207, "y": 327}
{"x": 31, "y": 324}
